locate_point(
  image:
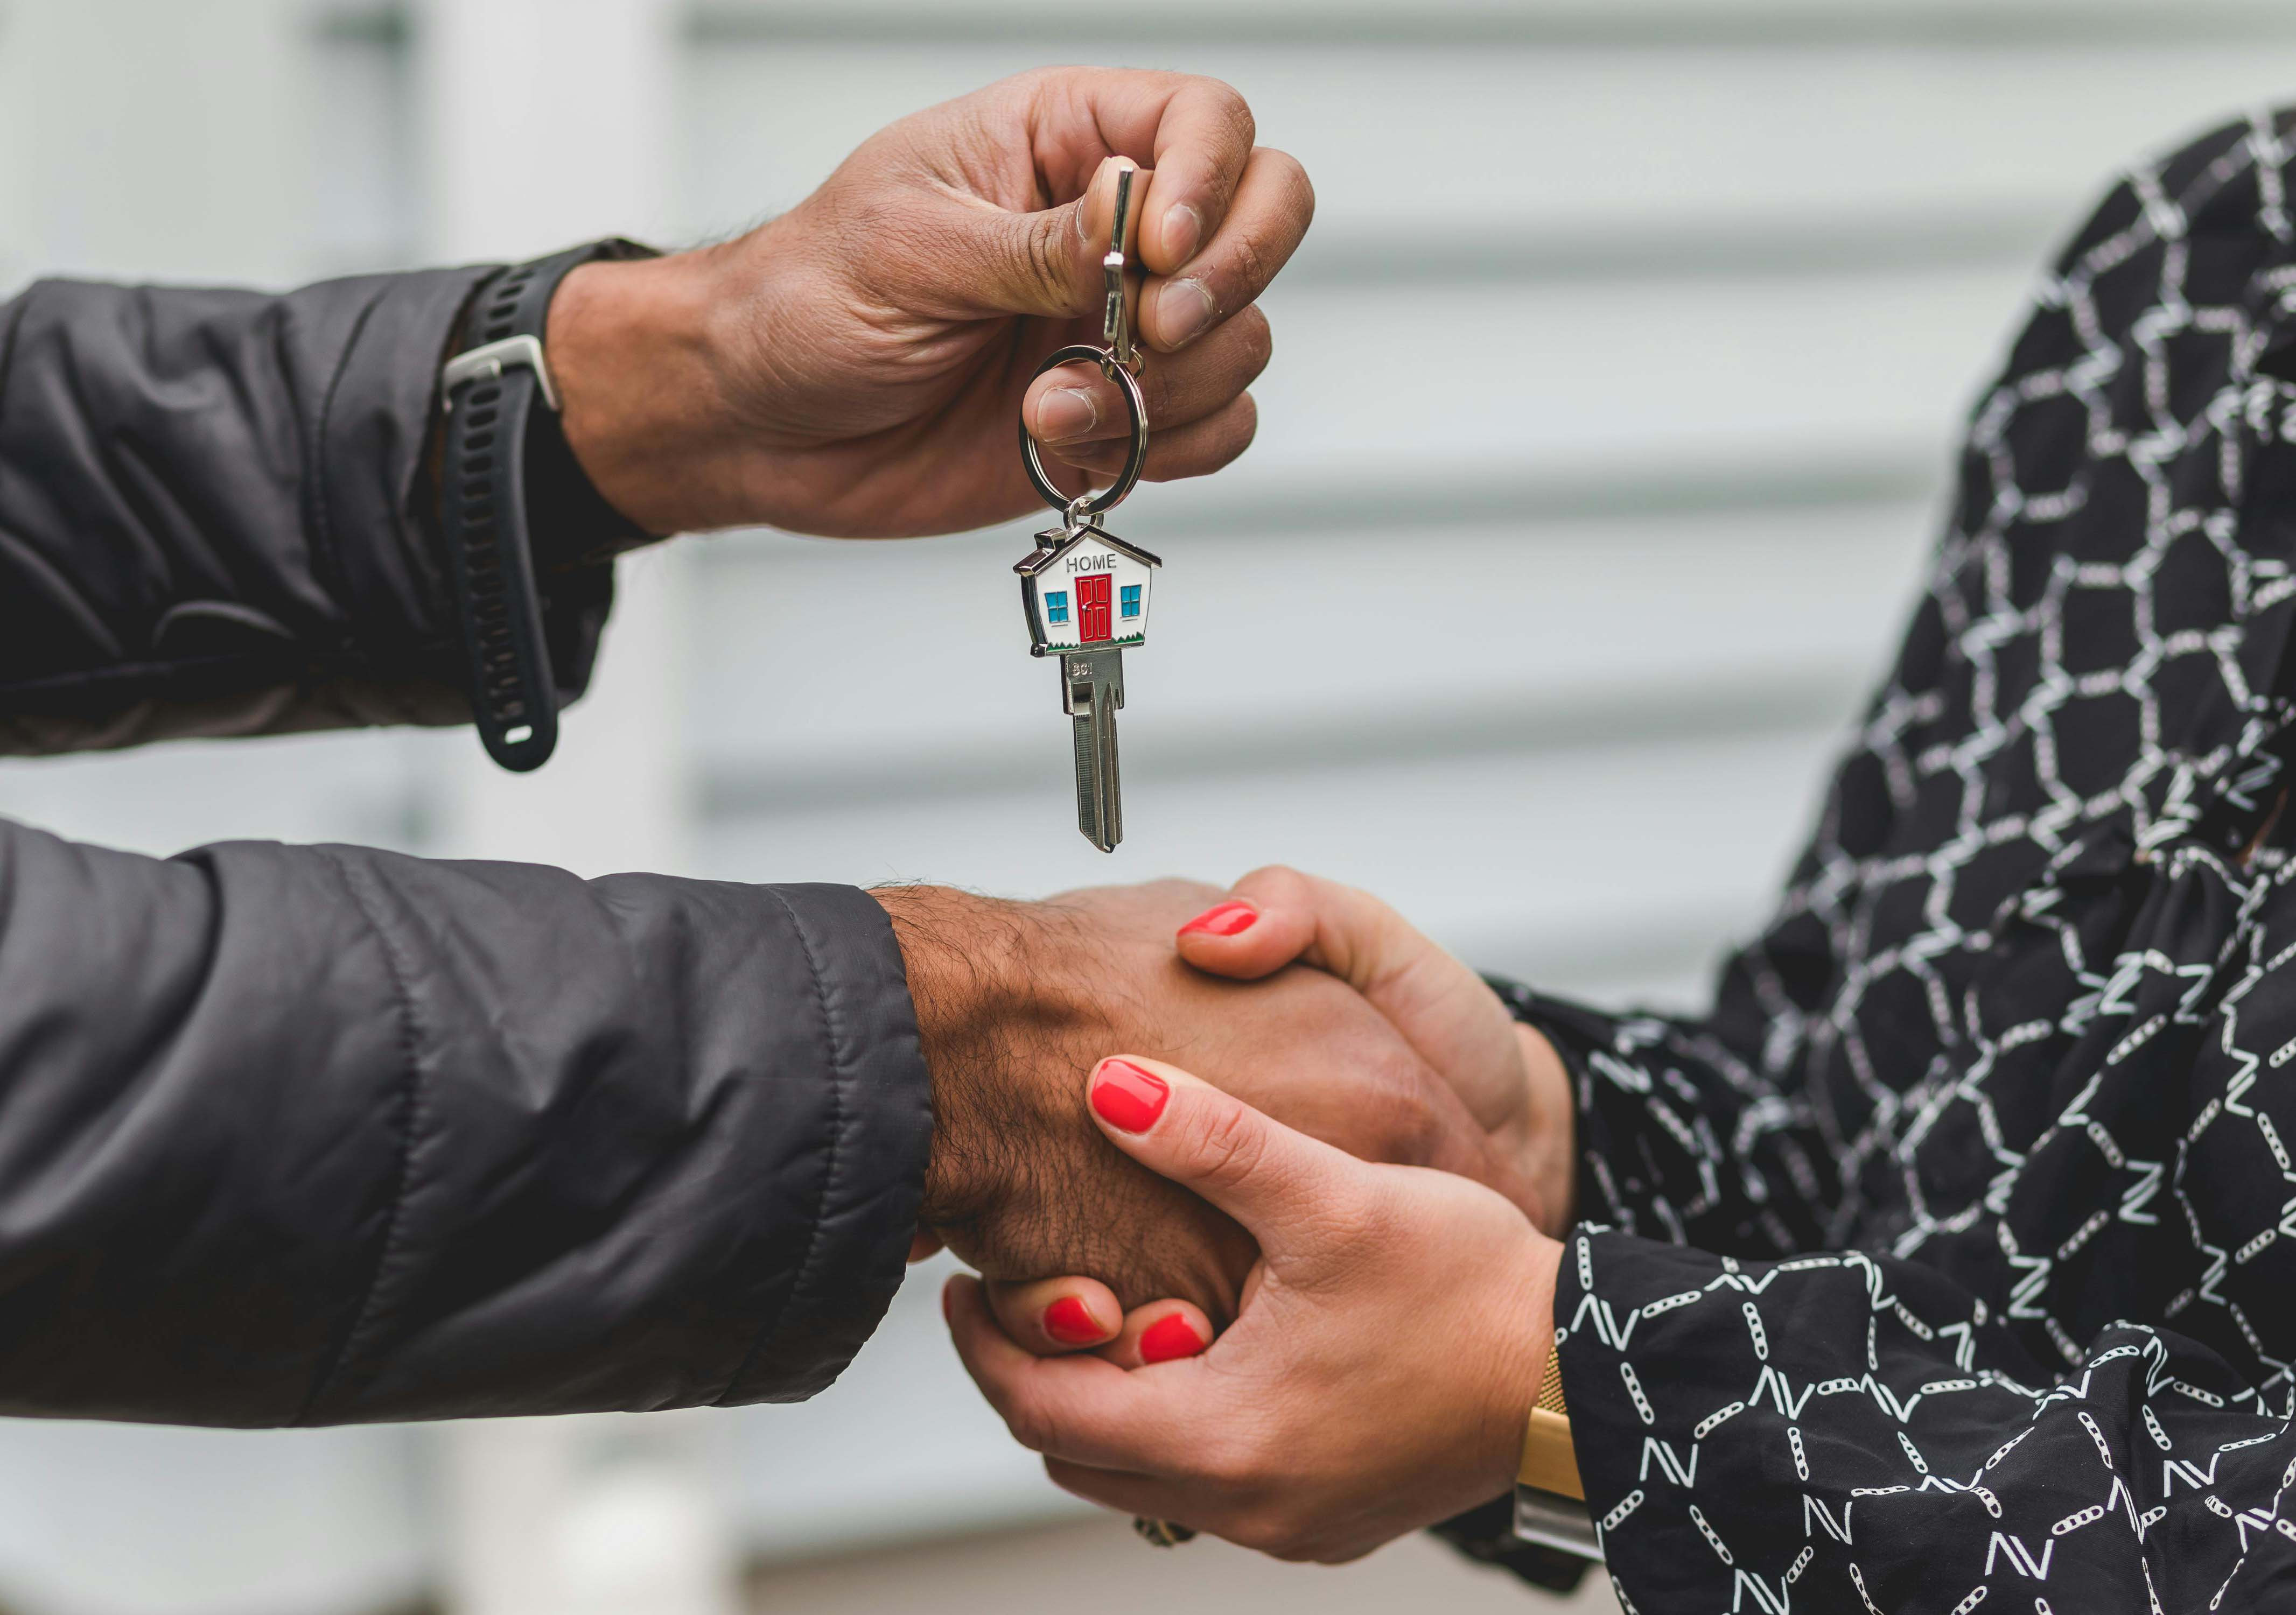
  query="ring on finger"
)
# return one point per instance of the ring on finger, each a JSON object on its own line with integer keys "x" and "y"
{"x": 1163, "y": 1533}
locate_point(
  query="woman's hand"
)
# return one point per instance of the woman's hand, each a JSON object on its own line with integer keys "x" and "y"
{"x": 857, "y": 366}
{"x": 1510, "y": 1078}
{"x": 1377, "y": 1381}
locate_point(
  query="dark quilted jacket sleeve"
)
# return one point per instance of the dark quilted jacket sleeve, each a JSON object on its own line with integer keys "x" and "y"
{"x": 295, "y": 1135}
{"x": 312, "y": 1134}
{"x": 214, "y": 514}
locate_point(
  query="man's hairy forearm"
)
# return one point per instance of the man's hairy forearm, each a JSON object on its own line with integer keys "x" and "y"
{"x": 998, "y": 994}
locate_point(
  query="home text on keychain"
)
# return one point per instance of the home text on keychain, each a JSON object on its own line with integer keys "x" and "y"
{"x": 1085, "y": 591}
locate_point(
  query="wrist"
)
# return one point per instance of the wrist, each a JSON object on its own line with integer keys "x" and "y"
{"x": 1523, "y": 1363}
{"x": 984, "y": 979}
{"x": 641, "y": 392}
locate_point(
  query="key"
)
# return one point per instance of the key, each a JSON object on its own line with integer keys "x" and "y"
{"x": 1093, "y": 690}
{"x": 1085, "y": 592}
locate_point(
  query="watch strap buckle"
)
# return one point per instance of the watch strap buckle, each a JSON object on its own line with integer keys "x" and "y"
{"x": 488, "y": 362}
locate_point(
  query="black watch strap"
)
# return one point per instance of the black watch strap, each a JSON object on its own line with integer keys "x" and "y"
{"x": 493, "y": 431}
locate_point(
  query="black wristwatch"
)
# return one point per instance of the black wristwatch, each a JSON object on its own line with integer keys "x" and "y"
{"x": 514, "y": 504}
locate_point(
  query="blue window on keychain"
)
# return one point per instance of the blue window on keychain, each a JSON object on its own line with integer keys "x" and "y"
{"x": 1130, "y": 600}
{"x": 1057, "y": 606}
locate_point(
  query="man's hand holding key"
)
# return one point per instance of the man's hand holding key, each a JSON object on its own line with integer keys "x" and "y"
{"x": 854, "y": 367}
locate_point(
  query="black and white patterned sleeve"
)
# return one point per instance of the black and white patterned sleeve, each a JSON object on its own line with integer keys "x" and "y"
{"x": 1947, "y": 1261}
{"x": 1845, "y": 1431}
{"x": 1840, "y": 1428}
{"x": 1683, "y": 1132}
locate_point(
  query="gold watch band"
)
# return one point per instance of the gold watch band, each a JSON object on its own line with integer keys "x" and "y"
{"x": 1550, "y": 1463}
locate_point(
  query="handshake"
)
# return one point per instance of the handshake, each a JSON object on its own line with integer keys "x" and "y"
{"x": 1264, "y": 1187}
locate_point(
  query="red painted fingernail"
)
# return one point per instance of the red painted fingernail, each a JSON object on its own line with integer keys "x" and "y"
{"x": 1127, "y": 1097}
{"x": 1169, "y": 1338}
{"x": 1222, "y": 920}
{"x": 1068, "y": 1322}
{"x": 948, "y": 1302}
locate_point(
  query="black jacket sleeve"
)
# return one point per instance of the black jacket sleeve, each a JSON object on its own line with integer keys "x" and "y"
{"x": 214, "y": 516}
{"x": 311, "y": 1134}
{"x": 318, "y": 1134}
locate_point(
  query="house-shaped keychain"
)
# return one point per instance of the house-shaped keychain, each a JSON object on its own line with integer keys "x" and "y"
{"x": 1086, "y": 590}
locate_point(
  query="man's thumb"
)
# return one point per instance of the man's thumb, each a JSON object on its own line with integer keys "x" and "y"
{"x": 1268, "y": 1177}
{"x": 1047, "y": 263}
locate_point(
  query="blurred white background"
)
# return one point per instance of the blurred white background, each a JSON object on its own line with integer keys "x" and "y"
{"x": 1611, "y": 412}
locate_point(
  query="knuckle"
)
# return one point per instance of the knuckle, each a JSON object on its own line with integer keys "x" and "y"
{"x": 1160, "y": 390}
{"x": 1221, "y": 453}
{"x": 1045, "y": 261}
{"x": 1229, "y": 1145}
{"x": 1233, "y": 110}
{"x": 1244, "y": 431}
{"x": 1258, "y": 342}
{"x": 1408, "y": 1125}
{"x": 1295, "y": 190}
{"x": 1251, "y": 266}
{"x": 1278, "y": 882}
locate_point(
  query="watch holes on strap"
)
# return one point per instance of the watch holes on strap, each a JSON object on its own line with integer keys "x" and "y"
{"x": 501, "y": 306}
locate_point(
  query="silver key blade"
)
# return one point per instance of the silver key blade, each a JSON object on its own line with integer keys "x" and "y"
{"x": 1100, "y": 797}
{"x": 1093, "y": 689}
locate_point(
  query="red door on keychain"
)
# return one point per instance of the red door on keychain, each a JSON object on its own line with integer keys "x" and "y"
{"x": 1093, "y": 616}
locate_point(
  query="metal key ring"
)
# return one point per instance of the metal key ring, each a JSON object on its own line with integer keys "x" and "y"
{"x": 1127, "y": 479}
